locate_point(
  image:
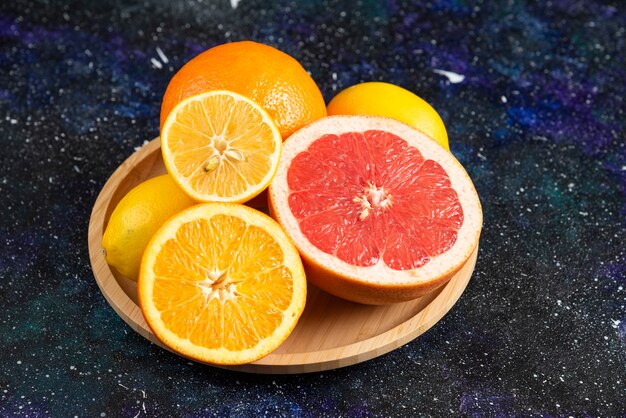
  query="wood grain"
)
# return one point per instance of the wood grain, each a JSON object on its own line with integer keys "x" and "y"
{"x": 331, "y": 333}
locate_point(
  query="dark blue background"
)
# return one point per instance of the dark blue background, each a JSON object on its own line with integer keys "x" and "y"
{"x": 538, "y": 121}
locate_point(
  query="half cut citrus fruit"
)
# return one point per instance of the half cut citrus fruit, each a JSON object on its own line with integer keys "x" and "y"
{"x": 221, "y": 283}
{"x": 379, "y": 212}
{"x": 220, "y": 146}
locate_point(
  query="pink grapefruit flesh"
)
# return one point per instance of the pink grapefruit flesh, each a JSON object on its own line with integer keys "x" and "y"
{"x": 358, "y": 196}
{"x": 379, "y": 212}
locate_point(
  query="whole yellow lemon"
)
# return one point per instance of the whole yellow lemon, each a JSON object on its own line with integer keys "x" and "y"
{"x": 136, "y": 218}
{"x": 384, "y": 99}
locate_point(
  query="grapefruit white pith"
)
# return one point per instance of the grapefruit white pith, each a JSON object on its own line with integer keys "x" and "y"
{"x": 379, "y": 212}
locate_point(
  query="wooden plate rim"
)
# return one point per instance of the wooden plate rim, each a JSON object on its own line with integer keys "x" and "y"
{"x": 302, "y": 362}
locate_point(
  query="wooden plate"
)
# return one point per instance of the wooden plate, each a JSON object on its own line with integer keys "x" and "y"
{"x": 331, "y": 333}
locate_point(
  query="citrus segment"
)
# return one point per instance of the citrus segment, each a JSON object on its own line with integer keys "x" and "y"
{"x": 379, "y": 212}
{"x": 220, "y": 146}
{"x": 221, "y": 283}
{"x": 384, "y": 183}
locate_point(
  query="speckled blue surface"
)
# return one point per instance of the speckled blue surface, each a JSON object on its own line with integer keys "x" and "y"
{"x": 538, "y": 120}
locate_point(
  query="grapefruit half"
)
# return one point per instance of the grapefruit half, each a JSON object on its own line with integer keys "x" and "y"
{"x": 379, "y": 211}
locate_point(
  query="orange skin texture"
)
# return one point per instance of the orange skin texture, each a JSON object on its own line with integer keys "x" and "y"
{"x": 271, "y": 78}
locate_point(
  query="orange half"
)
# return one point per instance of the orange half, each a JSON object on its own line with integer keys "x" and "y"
{"x": 220, "y": 146}
{"x": 221, "y": 283}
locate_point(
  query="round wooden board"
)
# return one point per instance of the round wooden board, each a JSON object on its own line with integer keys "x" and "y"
{"x": 331, "y": 333}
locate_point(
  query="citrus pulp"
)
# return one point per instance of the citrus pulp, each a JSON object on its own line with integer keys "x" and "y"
{"x": 379, "y": 212}
{"x": 220, "y": 146}
{"x": 221, "y": 283}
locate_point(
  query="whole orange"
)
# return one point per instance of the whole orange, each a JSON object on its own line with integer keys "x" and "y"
{"x": 273, "y": 79}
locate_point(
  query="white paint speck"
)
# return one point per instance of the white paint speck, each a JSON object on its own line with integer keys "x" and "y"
{"x": 615, "y": 323}
{"x": 156, "y": 64}
{"x": 581, "y": 213}
{"x": 19, "y": 362}
{"x": 162, "y": 55}
{"x": 503, "y": 99}
{"x": 452, "y": 77}
{"x": 142, "y": 144}
{"x": 334, "y": 76}
{"x": 558, "y": 302}
{"x": 234, "y": 3}
{"x": 13, "y": 121}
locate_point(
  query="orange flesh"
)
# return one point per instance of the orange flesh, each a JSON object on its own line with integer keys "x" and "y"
{"x": 227, "y": 129}
{"x": 369, "y": 196}
{"x": 221, "y": 283}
